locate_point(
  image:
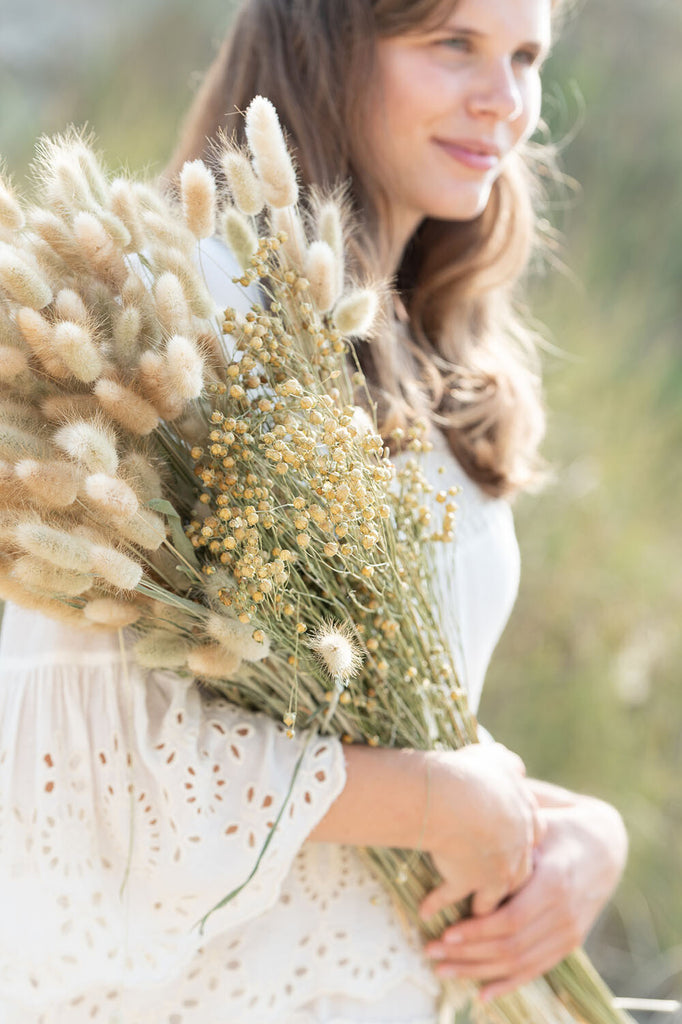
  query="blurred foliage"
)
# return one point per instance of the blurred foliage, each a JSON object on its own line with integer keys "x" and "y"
{"x": 584, "y": 682}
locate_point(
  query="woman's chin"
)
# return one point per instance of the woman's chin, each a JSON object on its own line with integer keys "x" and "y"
{"x": 464, "y": 208}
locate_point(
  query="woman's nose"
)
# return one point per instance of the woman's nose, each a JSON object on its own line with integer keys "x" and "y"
{"x": 496, "y": 92}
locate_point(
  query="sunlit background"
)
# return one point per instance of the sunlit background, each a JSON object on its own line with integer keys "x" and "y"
{"x": 585, "y": 682}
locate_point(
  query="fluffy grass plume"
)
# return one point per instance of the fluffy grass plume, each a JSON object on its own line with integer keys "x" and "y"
{"x": 198, "y": 191}
{"x": 271, "y": 157}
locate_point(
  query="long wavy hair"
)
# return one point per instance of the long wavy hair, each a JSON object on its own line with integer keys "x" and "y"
{"x": 457, "y": 350}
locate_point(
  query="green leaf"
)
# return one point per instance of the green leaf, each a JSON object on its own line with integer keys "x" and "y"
{"x": 180, "y": 541}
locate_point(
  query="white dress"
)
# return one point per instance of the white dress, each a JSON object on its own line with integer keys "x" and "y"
{"x": 131, "y": 803}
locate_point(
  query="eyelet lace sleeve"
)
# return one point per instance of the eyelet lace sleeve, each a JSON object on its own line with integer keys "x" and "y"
{"x": 129, "y": 806}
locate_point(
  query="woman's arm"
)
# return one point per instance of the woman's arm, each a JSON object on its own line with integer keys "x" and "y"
{"x": 471, "y": 809}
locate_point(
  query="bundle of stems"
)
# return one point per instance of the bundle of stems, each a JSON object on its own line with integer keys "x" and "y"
{"x": 214, "y": 480}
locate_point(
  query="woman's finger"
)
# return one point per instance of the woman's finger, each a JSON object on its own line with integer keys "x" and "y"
{"x": 500, "y": 956}
{"x": 511, "y": 918}
{"x": 547, "y": 958}
{"x": 442, "y": 896}
{"x": 510, "y": 973}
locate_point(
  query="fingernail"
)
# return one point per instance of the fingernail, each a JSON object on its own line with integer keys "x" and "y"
{"x": 452, "y": 937}
{"x": 446, "y": 971}
{"x": 436, "y": 952}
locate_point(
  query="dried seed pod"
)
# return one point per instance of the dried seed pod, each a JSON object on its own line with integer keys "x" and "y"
{"x": 198, "y": 193}
{"x": 286, "y": 222}
{"x": 127, "y": 330}
{"x": 16, "y": 444}
{"x": 138, "y": 471}
{"x": 22, "y": 282}
{"x": 213, "y": 662}
{"x": 75, "y": 347}
{"x": 107, "y": 611}
{"x": 126, "y": 407}
{"x": 184, "y": 368}
{"x": 154, "y": 381}
{"x": 11, "y": 214}
{"x": 99, "y": 248}
{"x": 53, "y": 545}
{"x": 246, "y": 189}
{"x": 90, "y": 443}
{"x": 116, "y": 568}
{"x": 161, "y": 649}
{"x": 240, "y": 236}
{"x": 13, "y": 363}
{"x": 41, "y": 575}
{"x": 123, "y": 203}
{"x": 322, "y": 272}
{"x": 53, "y": 484}
{"x": 69, "y": 305}
{"x": 111, "y": 496}
{"x": 270, "y": 154}
{"x": 237, "y": 637}
{"x": 145, "y": 528}
{"x": 171, "y": 305}
{"x": 355, "y": 312}
{"x": 39, "y": 335}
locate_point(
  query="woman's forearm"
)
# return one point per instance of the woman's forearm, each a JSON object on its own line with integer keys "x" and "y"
{"x": 384, "y": 801}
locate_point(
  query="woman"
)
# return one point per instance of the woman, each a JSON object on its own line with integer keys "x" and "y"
{"x": 423, "y": 110}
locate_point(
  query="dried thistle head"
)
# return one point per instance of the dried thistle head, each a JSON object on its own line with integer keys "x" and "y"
{"x": 336, "y": 648}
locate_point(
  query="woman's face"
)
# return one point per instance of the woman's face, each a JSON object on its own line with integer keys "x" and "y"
{"x": 451, "y": 103}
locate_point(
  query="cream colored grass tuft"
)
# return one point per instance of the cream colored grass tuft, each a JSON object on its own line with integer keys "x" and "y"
{"x": 246, "y": 189}
{"x": 126, "y": 407}
{"x": 91, "y": 444}
{"x": 198, "y": 193}
{"x": 270, "y": 154}
{"x": 21, "y": 281}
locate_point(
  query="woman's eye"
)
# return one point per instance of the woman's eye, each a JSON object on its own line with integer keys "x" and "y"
{"x": 527, "y": 57}
{"x": 460, "y": 43}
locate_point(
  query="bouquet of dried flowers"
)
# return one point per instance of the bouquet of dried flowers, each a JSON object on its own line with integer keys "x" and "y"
{"x": 211, "y": 480}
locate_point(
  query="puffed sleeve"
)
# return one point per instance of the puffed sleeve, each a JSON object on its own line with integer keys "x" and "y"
{"x": 130, "y": 804}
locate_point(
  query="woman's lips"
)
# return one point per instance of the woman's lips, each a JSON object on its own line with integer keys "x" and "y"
{"x": 479, "y": 158}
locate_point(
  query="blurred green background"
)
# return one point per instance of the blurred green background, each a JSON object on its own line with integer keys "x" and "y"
{"x": 585, "y": 682}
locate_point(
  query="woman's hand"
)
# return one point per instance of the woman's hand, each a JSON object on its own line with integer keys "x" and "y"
{"x": 578, "y": 865}
{"x": 482, "y": 826}
{"x": 472, "y": 809}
